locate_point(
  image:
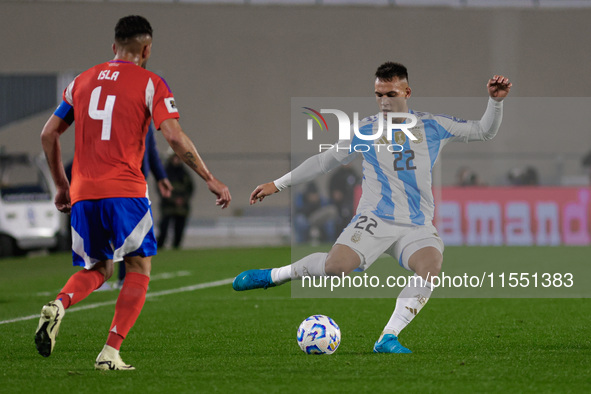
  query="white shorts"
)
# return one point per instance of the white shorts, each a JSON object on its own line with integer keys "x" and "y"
{"x": 370, "y": 236}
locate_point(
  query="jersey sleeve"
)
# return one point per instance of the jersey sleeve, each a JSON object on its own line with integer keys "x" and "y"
{"x": 321, "y": 163}
{"x": 455, "y": 129}
{"x": 67, "y": 95}
{"x": 344, "y": 150}
{"x": 161, "y": 102}
{"x": 65, "y": 110}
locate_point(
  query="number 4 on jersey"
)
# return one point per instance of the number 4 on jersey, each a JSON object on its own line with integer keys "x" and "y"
{"x": 106, "y": 114}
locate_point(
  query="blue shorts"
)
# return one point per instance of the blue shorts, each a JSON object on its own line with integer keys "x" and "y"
{"x": 110, "y": 229}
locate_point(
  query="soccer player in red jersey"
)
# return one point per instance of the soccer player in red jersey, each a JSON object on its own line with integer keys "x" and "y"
{"x": 113, "y": 104}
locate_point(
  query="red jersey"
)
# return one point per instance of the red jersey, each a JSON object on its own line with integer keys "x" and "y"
{"x": 113, "y": 104}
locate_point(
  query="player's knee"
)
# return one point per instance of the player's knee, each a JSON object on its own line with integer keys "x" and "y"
{"x": 141, "y": 265}
{"x": 105, "y": 268}
{"x": 426, "y": 262}
{"x": 108, "y": 272}
{"x": 434, "y": 265}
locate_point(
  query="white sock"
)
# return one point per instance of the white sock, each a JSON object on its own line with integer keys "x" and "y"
{"x": 311, "y": 265}
{"x": 409, "y": 303}
{"x": 281, "y": 275}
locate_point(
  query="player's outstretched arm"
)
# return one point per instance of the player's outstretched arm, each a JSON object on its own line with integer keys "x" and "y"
{"x": 50, "y": 139}
{"x": 311, "y": 168}
{"x": 185, "y": 149}
{"x": 486, "y": 128}
{"x": 262, "y": 191}
{"x": 498, "y": 87}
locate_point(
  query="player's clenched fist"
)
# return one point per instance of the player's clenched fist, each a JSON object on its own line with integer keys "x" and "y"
{"x": 62, "y": 200}
{"x": 498, "y": 87}
{"x": 262, "y": 191}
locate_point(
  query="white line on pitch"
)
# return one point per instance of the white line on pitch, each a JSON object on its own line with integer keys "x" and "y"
{"x": 148, "y": 295}
{"x": 162, "y": 275}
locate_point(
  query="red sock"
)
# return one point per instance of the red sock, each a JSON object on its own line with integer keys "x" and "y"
{"x": 79, "y": 286}
{"x": 129, "y": 305}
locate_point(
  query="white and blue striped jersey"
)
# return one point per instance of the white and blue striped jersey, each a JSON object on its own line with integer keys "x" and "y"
{"x": 397, "y": 183}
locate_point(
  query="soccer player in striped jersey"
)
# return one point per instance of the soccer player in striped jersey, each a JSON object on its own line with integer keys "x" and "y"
{"x": 396, "y": 208}
{"x": 113, "y": 104}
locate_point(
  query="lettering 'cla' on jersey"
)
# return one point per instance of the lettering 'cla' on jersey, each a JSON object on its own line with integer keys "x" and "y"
{"x": 398, "y": 185}
{"x": 113, "y": 104}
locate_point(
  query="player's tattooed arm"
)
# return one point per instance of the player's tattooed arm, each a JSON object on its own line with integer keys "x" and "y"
{"x": 191, "y": 161}
{"x": 185, "y": 149}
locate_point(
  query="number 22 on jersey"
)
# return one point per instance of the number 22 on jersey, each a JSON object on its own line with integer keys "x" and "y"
{"x": 106, "y": 114}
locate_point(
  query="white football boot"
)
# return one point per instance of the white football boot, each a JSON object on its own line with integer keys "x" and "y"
{"x": 49, "y": 325}
{"x": 109, "y": 359}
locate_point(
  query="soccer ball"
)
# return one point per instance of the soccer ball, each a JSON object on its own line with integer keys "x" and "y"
{"x": 319, "y": 334}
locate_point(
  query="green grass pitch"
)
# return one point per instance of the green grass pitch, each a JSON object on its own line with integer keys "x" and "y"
{"x": 214, "y": 339}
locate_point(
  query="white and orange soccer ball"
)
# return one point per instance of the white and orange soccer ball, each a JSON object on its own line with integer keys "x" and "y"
{"x": 319, "y": 334}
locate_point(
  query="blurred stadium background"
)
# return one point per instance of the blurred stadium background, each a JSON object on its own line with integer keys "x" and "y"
{"x": 235, "y": 65}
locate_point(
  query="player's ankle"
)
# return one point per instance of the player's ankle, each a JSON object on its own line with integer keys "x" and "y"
{"x": 114, "y": 340}
{"x": 281, "y": 275}
{"x": 388, "y": 331}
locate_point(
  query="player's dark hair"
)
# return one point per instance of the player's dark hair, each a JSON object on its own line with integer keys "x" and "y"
{"x": 389, "y": 70}
{"x": 131, "y": 26}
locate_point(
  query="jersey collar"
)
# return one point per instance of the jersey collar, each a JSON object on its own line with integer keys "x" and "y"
{"x": 120, "y": 61}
